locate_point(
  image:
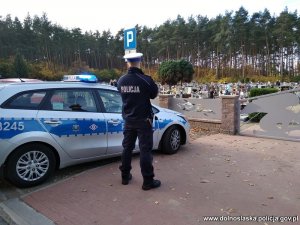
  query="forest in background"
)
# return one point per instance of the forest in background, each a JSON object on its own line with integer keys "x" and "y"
{"x": 235, "y": 46}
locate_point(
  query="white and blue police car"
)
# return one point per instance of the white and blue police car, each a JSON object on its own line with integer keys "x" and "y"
{"x": 45, "y": 126}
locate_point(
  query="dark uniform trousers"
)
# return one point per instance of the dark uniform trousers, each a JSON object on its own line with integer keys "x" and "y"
{"x": 143, "y": 131}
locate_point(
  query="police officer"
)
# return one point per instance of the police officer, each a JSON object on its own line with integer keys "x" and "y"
{"x": 136, "y": 90}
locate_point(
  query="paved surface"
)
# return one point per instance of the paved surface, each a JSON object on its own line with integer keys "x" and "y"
{"x": 216, "y": 175}
{"x": 255, "y": 130}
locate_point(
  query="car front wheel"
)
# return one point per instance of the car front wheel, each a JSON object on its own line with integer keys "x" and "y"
{"x": 171, "y": 140}
{"x": 30, "y": 165}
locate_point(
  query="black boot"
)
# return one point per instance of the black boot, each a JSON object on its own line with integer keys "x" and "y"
{"x": 126, "y": 175}
{"x": 154, "y": 184}
{"x": 126, "y": 179}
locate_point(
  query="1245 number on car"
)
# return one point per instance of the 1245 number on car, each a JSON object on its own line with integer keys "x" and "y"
{"x": 8, "y": 126}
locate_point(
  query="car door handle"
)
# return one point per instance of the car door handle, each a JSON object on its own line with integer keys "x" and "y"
{"x": 114, "y": 122}
{"x": 52, "y": 122}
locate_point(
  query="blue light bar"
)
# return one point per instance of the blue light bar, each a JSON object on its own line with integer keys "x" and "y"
{"x": 80, "y": 78}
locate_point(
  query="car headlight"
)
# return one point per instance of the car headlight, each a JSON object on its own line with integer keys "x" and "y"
{"x": 183, "y": 117}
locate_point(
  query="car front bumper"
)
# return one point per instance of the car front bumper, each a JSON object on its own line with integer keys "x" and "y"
{"x": 5, "y": 147}
{"x": 2, "y": 171}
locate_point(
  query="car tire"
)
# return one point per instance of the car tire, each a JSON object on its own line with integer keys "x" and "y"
{"x": 30, "y": 165}
{"x": 171, "y": 140}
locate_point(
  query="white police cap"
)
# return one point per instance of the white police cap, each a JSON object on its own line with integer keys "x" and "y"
{"x": 133, "y": 57}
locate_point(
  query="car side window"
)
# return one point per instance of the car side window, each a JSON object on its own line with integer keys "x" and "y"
{"x": 72, "y": 100}
{"x": 112, "y": 101}
{"x": 27, "y": 100}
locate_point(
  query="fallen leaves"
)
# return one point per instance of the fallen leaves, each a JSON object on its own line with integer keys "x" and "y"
{"x": 229, "y": 210}
{"x": 197, "y": 132}
{"x": 172, "y": 188}
{"x": 204, "y": 181}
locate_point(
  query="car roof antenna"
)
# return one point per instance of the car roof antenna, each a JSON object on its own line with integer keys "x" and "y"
{"x": 21, "y": 79}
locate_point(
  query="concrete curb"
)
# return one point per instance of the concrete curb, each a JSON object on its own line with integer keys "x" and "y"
{"x": 16, "y": 212}
{"x": 4, "y": 218}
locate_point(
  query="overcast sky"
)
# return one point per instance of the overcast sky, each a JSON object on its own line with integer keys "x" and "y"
{"x": 114, "y": 15}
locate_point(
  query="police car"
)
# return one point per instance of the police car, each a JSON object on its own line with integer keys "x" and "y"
{"x": 45, "y": 126}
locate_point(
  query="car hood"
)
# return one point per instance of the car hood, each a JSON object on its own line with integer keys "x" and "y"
{"x": 167, "y": 110}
